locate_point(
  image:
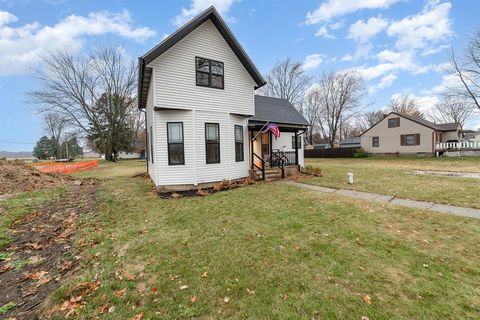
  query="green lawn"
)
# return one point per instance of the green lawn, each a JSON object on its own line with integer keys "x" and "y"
{"x": 394, "y": 176}
{"x": 270, "y": 251}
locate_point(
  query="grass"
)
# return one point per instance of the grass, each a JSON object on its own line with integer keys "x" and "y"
{"x": 394, "y": 176}
{"x": 16, "y": 208}
{"x": 7, "y": 307}
{"x": 108, "y": 169}
{"x": 275, "y": 252}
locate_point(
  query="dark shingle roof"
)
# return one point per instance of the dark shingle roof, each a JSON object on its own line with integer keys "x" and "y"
{"x": 276, "y": 110}
{"x": 435, "y": 126}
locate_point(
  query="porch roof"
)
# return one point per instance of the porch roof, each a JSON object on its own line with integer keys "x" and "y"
{"x": 276, "y": 110}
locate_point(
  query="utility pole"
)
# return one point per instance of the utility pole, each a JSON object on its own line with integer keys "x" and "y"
{"x": 66, "y": 144}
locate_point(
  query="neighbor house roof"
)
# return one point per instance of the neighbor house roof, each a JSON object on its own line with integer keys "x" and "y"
{"x": 276, "y": 110}
{"x": 354, "y": 140}
{"x": 435, "y": 126}
{"x": 144, "y": 73}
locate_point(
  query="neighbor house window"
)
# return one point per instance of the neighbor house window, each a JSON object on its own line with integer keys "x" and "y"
{"x": 375, "y": 142}
{"x": 209, "y": 73}
{"x": 212, "y": 142}
{"x": 410, "y": 139}
{"x": 299, "y": 142}
{"x": 394, "y": 122}
{"x": 151, "y": 144}
{"x": 176, "y": 151}
{"x": 238, "y": 143}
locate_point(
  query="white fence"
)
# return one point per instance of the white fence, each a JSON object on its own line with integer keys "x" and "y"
{"x": 458, "y": 145}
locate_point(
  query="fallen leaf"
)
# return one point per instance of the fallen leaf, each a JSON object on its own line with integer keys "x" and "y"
{"x": 154, "y": 290}
{"x": 250, "y": 291}
{"x": 120, "y": 292}
{"x": 193, "y": 299}
{"x": 284, "y": 296}
{"x": 111, "y": 309}
{"x": 173, "y": 277}
{"x": 138, "y": 316}
{"x": 226, "y": 299}
{"x": 183, "y": 287}
{"x": 365, "y": 318}
{"x": 367, "y": 299}
{"x": 131, "y": 278}
{"x": 204, "y": 275}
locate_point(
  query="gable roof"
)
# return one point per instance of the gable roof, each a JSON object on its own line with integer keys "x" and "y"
{"x": 210, "y": 14}
{"x": 437, "y": 127}
{"x": 276, "y": 110}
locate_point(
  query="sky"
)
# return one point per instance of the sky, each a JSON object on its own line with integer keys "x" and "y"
{"x": 399, "y": 46}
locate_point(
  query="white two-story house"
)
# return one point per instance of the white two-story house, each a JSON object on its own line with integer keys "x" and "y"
{"x": 204, "y": 121}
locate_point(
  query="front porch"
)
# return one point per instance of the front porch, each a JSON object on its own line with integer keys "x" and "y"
{"x": 271, "y": 158}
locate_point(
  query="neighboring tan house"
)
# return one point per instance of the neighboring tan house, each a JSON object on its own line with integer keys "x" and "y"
{"x": 409, "y": 135}
{"x": 204, "y": 121}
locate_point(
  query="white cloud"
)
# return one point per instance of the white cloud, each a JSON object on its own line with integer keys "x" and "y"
{"x": 363, "y": 51}
{"x": 312, "y": 61}
{"x": 390, "y": 61}
{"x": 323, "y": 32}
{"x": 197, "y": 6}
{"x": 419, "y": 31}
{"x": 385, "y": 82}
{"x": 337, "y": 8}
{"x": 363, "y": 31}
{"x": 6, "y": 18}
{"x": 23, "y": 46}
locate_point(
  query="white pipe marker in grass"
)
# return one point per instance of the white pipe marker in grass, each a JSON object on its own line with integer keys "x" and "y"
{"x": 350, "y": 178}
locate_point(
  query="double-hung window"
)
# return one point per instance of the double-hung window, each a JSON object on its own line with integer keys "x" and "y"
{"x": 238, "y": 143}
{"x": 209, "y": 73}
{"x": 176, "y": 152}
{"x": 212, "y": 142}
{"x": 375, "y": 142}
{"x": 410, "y": 139}
{"x": 299, "y": 142}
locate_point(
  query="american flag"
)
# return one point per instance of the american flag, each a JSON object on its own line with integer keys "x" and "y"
{"x": 274, "y": 129}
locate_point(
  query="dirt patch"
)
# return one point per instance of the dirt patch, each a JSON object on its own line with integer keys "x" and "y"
{"x": 40, "y": 255}
{"x": 16, "y": 176}
{"x": 458, "y": 174}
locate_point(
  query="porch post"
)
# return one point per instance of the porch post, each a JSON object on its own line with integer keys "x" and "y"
{"x": 296, "y": 148}
{"x": 251, "y": 148}
{"x": 270, "y": 145}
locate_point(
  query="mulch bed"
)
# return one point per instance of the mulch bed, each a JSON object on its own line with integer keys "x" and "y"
{"x": 221, "y": 186}
{"x": 40, "y": 254}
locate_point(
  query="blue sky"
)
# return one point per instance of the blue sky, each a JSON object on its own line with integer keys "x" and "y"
{"x": 400, "y": 46}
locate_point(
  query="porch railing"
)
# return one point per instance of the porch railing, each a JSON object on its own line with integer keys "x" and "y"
{"x": 262, "y": 167}
{"x": 458, "y": 145}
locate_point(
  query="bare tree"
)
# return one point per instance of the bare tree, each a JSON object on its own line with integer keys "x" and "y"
{"x": 287, "y": 80}
{"x": 467, "y": 70}
{"x": 96, "y": 93}
{"x": 310, "y": 109}
{"x": 339, "y": 95}
{"x": 54, "y": 126}
{"x": 368, "y": 119}
{"x": 455, "y": 109}
{"x": 349, "y": 129}
{"x": 405, "y": 104}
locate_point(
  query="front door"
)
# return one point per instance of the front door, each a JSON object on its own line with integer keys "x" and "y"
{"x": 265, "y": 141}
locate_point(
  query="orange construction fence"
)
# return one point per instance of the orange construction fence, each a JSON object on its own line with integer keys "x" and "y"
{"x": 68, "y": 168}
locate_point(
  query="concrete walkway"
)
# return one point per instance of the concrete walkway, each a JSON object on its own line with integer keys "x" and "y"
{"x": 459, "y": 211}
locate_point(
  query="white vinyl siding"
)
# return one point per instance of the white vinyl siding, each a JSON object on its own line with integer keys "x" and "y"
{"x": 152, "y": 170}
{"x": 175, "y": 75}
{"x": 285, "y": 139}
{"x": 196, "y": 170}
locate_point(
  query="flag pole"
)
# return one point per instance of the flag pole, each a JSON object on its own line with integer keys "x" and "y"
{"x": 255, "y": 137}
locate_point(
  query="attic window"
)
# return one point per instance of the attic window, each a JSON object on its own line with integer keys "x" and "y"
{"x": 394, "y": 122}
{"x": 209, "y": 73}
